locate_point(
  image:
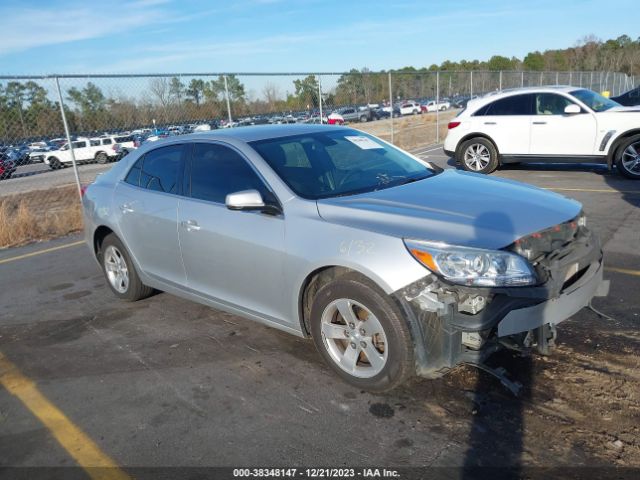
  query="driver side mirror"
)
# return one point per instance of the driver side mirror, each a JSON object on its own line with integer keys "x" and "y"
{"x": 572, "y": 109}
{"x": 249, "y": 200}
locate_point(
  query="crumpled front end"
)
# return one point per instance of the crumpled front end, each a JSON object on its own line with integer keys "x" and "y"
{"x": 454, "y": 324}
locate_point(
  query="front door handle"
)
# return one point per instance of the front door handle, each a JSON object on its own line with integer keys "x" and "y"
{"x": 489, "y": 123}
{"x": 539, "y": 123}
{"x": 126, "y": 208}
{"x": 190, "y": 225}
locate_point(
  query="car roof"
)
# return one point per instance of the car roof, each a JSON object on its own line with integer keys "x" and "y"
{"x": 476, "y": 103}
{"x": 261, "y": 132}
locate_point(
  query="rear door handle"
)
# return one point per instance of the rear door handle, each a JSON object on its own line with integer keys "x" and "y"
{"x": 539, "y": 123}
{"x": 126, "y": 208}
{"x": 489, "y": 123}
{"x": 190, "y": 225}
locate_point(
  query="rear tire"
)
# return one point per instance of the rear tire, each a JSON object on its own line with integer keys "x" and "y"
{"x": 370, "y": 347}
{"x": 478, "y": 155}
{"x": 628, "y": 157}
{"x": 101, "y": 158}
{"x": 119, "y": 271}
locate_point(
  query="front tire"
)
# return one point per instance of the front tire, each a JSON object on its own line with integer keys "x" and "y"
{"x": 628, "y": 158}
{"x": 54, "y": 164}
{"x": 361, "y": 334}
{"x": 478, "y": 155}
{"x": 119, "y": 271}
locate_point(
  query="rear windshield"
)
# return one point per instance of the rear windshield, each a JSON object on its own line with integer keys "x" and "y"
{"x": 337, "y": 163}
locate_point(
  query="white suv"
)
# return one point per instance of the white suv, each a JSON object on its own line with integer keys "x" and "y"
{"x": 99, "y": 149}
{"x": 545, "y": 124}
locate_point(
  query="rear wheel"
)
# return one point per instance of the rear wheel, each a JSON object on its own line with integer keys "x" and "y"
{"x": 101, "y": 158}
{"x": 478, "y": 155}
{"x": 363, "y": 118}
{"x": 361, "y": 334}
{"x": 120, "y": 272}
{"x": 628, "y": 157}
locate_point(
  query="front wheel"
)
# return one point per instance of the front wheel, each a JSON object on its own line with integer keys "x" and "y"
{"x": 628, "y": 158}
{"x": 54, "y": 164}
{"x": 478, "y": 155}
{"x": 361, "y": 334}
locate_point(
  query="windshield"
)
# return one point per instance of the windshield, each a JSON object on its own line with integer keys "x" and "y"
{"x": 336, "y": 163}
{"x": 593, "y": 100}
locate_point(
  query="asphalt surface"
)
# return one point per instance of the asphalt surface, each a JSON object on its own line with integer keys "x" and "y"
{"x": 166, "y": 382}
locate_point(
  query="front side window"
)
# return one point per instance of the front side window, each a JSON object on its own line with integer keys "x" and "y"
{"x": 107, "y": 141}
{"x": 160, "y": 169}
{"x": 217, "y": 171}
{"x": 513, "y": 105}
{"x": 95, "y": 143}
{"x": 593, "y": 100}
{"x": 551, "y": 104}
{"x": 79, "y": 144}
{"x": 336, "y": 163}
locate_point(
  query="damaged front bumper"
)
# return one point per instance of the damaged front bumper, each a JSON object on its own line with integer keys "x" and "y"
{"x": 453, "y": 324}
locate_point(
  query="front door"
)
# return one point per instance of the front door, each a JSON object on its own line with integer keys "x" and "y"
{"x": 233, "y": 257}
{"x": 554, "y": 132}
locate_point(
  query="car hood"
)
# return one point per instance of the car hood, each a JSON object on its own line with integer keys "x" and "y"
{"x": 623, "y": 108}
{"x": 455, "y": 207}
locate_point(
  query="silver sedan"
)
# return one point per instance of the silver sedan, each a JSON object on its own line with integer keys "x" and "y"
{"x": 392, "y": 266}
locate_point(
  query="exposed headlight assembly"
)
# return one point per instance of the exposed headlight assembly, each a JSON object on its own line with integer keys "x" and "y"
{"x": 473, "y": 266}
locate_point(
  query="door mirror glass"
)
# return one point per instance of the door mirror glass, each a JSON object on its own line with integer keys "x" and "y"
{"x": 245, "y": 200}
{"x": 572, "y": 109}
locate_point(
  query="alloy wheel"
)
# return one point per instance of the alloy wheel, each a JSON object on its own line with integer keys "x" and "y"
{"x": 477, "y": 157}
{"x": 116, "y": 269}
{"x": 631, "y": 158}
{"x": 354, "y": 338}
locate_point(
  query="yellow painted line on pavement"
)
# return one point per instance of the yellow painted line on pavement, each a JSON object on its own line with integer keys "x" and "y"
{"x": 41, "y": 252}
{"x": 97, "y": 464}
{"x": 595, "y": 190}
{"x": 626, "y": 271}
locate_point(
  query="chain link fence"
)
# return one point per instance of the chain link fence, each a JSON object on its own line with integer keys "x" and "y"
{"x": 104, "y": 117}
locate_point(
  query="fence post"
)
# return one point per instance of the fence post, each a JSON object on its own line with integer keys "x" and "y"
{"x": 557, "y": 78}
{"x": 226, "y": 90}
{"x": 320, "y": 97}
{"x": 391, "y": 105}
{"x": 522, "y": 79}
{"x": 68, "y": 135}
{"x": 437, "y": 105}
{"x": 591, "y": 81}
{"x": 470, "y": 83}
{"x": 500, "y": 82}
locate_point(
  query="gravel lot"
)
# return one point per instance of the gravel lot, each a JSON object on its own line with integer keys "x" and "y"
{"x": 165, "y": 382}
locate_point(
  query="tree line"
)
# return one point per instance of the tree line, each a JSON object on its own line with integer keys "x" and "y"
{"x": 29, "y": 110}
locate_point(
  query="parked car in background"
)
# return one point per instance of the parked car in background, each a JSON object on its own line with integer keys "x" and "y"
{"x": 7, "y": 167}
{"x": 545, "y": 124}
{"x": 334, "y": 118}
{"x": 84, "y": 149}
{"x": 356, "y": 114}
{"x": 410, "y": 108}
{"x": 391, "y": 265}
{"x": 432, "y": 106}
{"x": 630, "y": 98}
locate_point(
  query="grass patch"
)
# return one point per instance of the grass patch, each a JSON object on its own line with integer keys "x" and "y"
{"x": 39, "y": 215}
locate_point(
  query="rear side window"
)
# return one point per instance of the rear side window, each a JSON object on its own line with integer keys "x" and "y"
{"x": 217, "y": 171}
{"x": 95, "y": 143}
{"x": 160, "y": 169}
{"x": 123, "y": 139}
{"x": 107, "y": 141}
{"x": 514, "y": 105}
{"x": 133, "y": 177}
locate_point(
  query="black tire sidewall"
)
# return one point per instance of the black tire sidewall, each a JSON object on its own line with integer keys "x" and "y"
{"x": 493, "y": 152}
{"x": 400, "y": 361}
{"x": 618, "y": 158}
{"x": 136, "y": 287}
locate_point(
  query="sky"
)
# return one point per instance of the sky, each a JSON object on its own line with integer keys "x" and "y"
{"x": 167, "y": 36}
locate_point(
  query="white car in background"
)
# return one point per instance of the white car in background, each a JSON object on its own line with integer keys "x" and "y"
{"x": 556, "y": 124}
{"x": 433, "y": 106}
{"x": 410, "y": 108}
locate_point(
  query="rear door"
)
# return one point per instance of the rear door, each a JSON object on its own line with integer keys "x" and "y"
{"x": 233, "y": 257}
{"x": 507, "y": 121}
{"x": 146, "y": 204}
{"x": 554, "y": 132}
